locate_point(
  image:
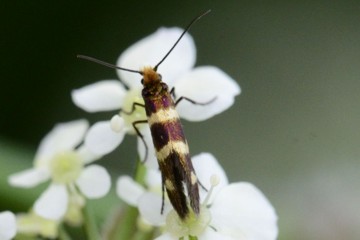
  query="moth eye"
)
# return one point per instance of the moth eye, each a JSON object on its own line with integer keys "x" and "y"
{"x": 142, "y": 81}
{"x": 160, "y": 77}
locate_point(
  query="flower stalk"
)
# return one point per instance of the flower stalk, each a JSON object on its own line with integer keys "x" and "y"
{"x": 125, "y": 221}
{"x": 63, "y": 234}
{"x": 90, "y": 227}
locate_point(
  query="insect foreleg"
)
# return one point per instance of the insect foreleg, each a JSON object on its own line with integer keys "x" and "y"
{"x": 141, "y": 136}
{"x": 133, "y": 108}
{"x": 172, "y": 92}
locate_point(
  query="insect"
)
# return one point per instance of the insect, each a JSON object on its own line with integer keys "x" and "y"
{"x": 170, "y": 144}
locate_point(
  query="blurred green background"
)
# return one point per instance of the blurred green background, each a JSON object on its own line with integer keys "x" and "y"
{"x": 293, "y": 132}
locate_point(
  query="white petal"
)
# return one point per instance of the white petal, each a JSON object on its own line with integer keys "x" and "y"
{"x": 153, "y": 178}
{"x": 202, "y": 85}
{"x": 150, "y": 208}
{"x": 105, "y": 95}
{"x": 166, "y": 236}
{"x": 7, "y": 225}
{"x": 210, "y": 234}
{"x": 205, "y": 166}
{"x": 94, "y": 181}
{"x": 29, "y": 178}
{"x": 86, "y": 155}
{"x": 151, "y": 49}
{"x": 129, "y": 190}
{"x": 101, "y": 139}
{"x": 151, "y": 160}
{"x": 52, "y": 203}
{"x": 64, "y": 136}
{"x": 240, "y": 210}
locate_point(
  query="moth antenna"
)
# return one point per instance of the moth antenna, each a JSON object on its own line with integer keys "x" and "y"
{"x": 91, "y": 59}
{"x": 183, "y": 33}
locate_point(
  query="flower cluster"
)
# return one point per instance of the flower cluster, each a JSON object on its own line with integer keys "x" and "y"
{"x": 66, "y": 155}
{"x": 228, "y": 211}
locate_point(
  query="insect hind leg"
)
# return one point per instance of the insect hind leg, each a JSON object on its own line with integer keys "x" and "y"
{"x": 162, "y": 195}
{"x": 202, "y": 185}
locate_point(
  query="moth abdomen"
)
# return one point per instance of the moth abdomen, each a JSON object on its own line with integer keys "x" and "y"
{"x": 171, "y": 149}
{"x": 175, "y": 176}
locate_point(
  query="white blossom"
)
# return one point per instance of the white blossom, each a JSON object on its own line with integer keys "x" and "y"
{"x": 60, "y": 160}
{"x": 200, "y": 84}
{"x": 228, "y": 211}
{"x": 7, "y": 225}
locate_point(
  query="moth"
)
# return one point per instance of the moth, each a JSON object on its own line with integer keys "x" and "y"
{"x": 169, "y": 140}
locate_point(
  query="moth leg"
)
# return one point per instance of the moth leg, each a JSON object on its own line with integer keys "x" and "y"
{"x": 213, "y": 228}
{"x": 133, "y": 108}
{"x": 194, "y": 102}
{"x": 172, "y": 92}
{"x": 202, "y": 186}
{"x": 141, "y": 137}
{"x": 162, "y": 195}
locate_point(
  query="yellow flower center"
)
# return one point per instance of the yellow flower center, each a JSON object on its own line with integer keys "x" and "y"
{"x": 66, "y": 167}
{"x": 192, "y": 226}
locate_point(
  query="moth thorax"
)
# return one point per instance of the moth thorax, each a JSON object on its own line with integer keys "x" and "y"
{"x": 150, "y": 76}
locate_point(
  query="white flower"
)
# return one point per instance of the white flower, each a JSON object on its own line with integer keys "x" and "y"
{"x": 200, "y": 84}
{"x": 229, "y": 212}
{"x": 58, "y": 159}
{"x": 7, "y": 225}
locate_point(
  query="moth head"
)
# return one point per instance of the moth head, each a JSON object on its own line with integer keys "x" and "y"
{"x": 150, "y": 77}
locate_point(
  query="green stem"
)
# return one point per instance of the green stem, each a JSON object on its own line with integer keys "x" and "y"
{"x": 140, "y": 172}
{"x": 193, "y": 237}
{"x": 91, "y": 230}
{"x": 144, "y": 235}
{"x": 124, "y": 223}
{"x": 63, "y": 234}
